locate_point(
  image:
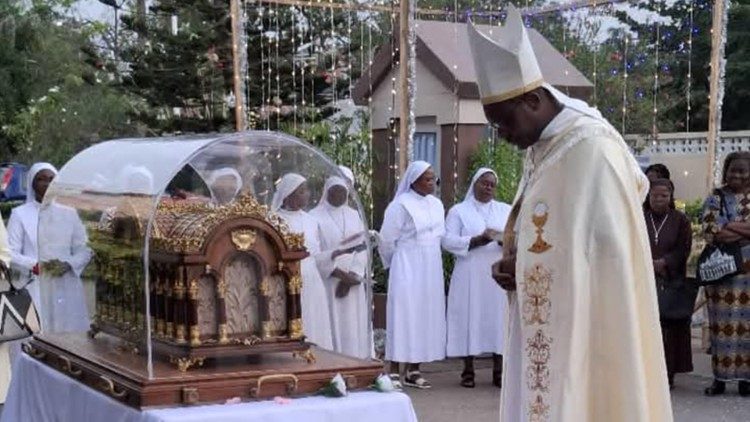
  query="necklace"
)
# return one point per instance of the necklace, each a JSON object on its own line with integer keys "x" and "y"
{"x": 661, "y": 226}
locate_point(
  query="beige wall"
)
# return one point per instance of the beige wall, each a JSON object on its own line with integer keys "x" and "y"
{"x": 433, "y": 99}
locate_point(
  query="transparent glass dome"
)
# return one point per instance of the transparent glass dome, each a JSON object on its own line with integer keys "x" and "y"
{"x": 188, "y": 264}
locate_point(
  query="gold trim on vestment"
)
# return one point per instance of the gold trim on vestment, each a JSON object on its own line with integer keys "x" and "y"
{"x": 498, "y": 98}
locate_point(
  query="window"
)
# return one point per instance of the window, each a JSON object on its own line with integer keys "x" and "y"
{"x": 425, "y": 148}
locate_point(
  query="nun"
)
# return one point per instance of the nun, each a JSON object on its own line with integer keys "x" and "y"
{"x": 53, "y": 266}
{"x": 476, "y": 304}
{"x": 343, "y": 265}
{"x": 409, "y": 245}
{"x": 225, "y": 184}
{"x": 289, "y": 202}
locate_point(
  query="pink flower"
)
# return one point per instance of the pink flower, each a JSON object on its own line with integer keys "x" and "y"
{"x": 282, "y": 400}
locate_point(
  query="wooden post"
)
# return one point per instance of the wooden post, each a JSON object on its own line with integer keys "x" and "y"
{"x": 403, "y": 136}
{"x": 717, "y": 69}
{"x": 237, "y": 60}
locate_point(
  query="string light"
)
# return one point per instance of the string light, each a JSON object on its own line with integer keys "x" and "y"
{"x": 689, "y": 78}
{"x": 294, "y": 67}
{"x": 277, "y": 100}
{"x": 654, "y": 127}
{"x": 625, "y": 83}
{"x": 369, "y": 122}
{"x": 262, "y": 63}
{"x": 456, "y": 103}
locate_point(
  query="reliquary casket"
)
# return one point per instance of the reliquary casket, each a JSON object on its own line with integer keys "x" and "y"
{"x": 225, "y": 281}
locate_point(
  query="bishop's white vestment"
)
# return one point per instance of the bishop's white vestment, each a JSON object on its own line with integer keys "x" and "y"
{"x": 584, "y": 343}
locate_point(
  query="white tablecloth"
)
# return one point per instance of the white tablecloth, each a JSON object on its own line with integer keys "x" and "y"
{"x": 40, "y": 394}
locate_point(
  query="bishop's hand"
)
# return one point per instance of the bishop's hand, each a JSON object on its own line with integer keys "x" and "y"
{"x": 504, "y": 271}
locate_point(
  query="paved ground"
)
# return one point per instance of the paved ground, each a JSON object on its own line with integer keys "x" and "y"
{"x": 449, "y": 402}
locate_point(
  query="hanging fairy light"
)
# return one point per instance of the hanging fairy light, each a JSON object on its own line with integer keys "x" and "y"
{"x": 625, "y": 82}
{"x": 369, "y": 122}
{"x": 392, "y": 139}
{"x": 654, "y": 127}
{"x": 293, "y": 11}
{"x": 262, "y": 64}
{"x": 689, "y": 78}
{"x": 303, "y": 67}
{"x": 277, "y": 100}
{"x": 455, "y": 101}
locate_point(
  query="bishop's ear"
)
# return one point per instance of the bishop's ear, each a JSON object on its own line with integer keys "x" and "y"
{"x": 532, "y": 100}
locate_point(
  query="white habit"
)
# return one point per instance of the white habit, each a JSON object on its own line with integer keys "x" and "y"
{"x": 5, "y": 368}
{"x": 316, "y": 323}
{"x": 584, "y": 342}
{"x": 410, "y": 246}
{"x": 477, "y": 306}
{"x": 341, "y": 228}
{"x": 60, "y": 301}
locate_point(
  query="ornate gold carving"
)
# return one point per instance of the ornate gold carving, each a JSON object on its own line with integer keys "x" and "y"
{"x": 193, "y": 289}
{"x": 160, "y": 327}
{"x": 221, "y": 288}
{"x": 180, "y": 333}
{"x": 244, "y": 239}
{"x": 190, "y": 395}
{"x": 179, "y": 290}
{"x": 267, "y": 328}
{"x": 169, "y": 326}
{"x": 195, "y": 335}
{"x": 223, "y": 334}
{"x": 295, "y": 328}
{"x": 189, "y": 224}
{"x": 265, "y": 287}
{"x": 307, "y": 355}
{"x": 295, "y": 285}
{"x": 183, "y": 364}
{"x": 539, "y": 218}
{"x": 252, "y": 341}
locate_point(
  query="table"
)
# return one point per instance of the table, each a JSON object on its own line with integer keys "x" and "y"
{"x": 41, "y": 394}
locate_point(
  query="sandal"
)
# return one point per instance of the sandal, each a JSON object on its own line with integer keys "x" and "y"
{"x": 396, "y": 380}
{"x": 467, "y": 379}
{"x": 414, "y": 379}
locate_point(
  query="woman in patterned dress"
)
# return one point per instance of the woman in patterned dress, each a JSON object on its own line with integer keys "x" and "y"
{"x": 728, "y": 221}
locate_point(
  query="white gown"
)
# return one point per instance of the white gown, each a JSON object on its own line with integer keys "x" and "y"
{"x": 477, "y": 306}
{"x": 410, "y": 246}
{"x": 316, "y": 323}
{"x": 349, "y": 315}
{"x": 60, "y": 301}
{"x": 584, "y": 340}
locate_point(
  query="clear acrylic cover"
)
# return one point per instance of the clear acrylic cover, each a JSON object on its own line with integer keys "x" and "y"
{"x": 175, "y": 249}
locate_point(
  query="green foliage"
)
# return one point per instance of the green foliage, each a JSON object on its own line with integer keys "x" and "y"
{"x": 7, "y": 207}
{"x": 506, "y": 160}
{"x": 694, "y": 211}
{"x": 53, "y": 102}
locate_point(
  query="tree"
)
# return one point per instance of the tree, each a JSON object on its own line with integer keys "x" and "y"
{"x": 46, "y": 107}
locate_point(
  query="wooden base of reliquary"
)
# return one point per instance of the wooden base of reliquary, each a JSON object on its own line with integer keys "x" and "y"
{"x": 106, "y": 364}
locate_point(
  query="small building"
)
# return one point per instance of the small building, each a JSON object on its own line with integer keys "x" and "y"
{"x": 447, "y": 104}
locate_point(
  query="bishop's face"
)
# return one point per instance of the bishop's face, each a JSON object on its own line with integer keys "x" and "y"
{"x": 518, "y": 120}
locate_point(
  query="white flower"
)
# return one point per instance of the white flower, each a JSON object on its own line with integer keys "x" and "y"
{"x": 54, "y": 89}
{"x": 384, "y": 384}
{"x": 335, "y": 388}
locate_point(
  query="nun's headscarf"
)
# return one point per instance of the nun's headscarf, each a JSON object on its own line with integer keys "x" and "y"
{"x": 286, "y": 186}
{"x": 215, "y": 175}
{"x": 331, "y": 182}
{"x": 348, "y": 173}
{"x": 481, "y": 172}
{"x": 415, "y": 170}
{"x": 33, "y": 171}
{"x": 137, "y": 180}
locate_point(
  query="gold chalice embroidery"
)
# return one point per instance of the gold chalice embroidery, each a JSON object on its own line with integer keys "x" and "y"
{"x": 539, "y": 218}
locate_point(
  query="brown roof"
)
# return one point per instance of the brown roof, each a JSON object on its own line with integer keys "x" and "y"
{"x": 439, "y": 42}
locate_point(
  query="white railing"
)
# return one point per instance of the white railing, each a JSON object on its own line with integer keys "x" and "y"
{"x": 688, "y": 143}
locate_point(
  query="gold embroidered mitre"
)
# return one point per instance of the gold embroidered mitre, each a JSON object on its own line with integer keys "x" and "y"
{"x": 505, "y": 64}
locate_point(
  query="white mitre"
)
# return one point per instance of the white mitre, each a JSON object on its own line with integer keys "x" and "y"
{"x": 505, "y": 68}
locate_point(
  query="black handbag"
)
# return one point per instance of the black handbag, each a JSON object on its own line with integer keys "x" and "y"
{"x": 719, "y": 262}
{"x": 18, "y": 316}
{"x": 676, "y": 298}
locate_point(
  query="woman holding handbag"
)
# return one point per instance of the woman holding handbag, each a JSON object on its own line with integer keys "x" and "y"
{"x": 671, "y": 238}
{"x": 726, "y": 221}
